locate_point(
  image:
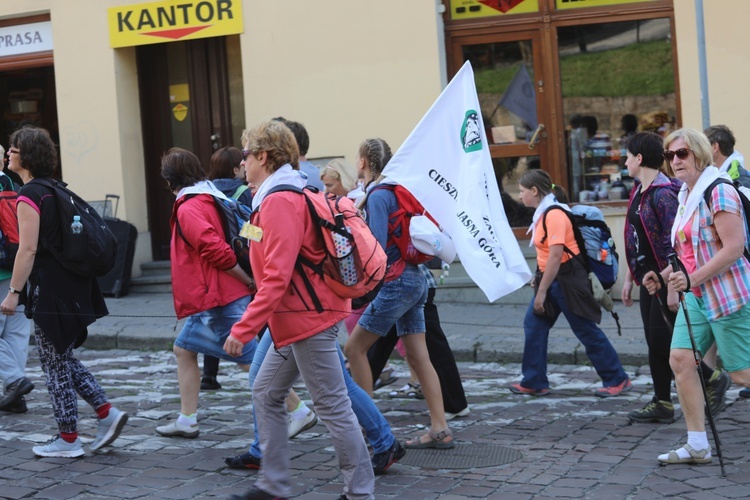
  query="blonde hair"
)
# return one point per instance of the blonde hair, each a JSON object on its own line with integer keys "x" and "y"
{"x": 343, "y": 171}
{"x": 695, "y": 140}
{"x": 276, "y": 140}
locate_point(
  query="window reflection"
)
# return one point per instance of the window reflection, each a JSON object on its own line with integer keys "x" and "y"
{"x": 617, "y": 78}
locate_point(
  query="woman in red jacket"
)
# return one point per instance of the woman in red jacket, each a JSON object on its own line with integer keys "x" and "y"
{"x": 210, "y": 288}
{"x": 304, "y": 340}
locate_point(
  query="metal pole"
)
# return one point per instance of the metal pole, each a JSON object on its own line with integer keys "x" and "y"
{"x": 702, "y": 68}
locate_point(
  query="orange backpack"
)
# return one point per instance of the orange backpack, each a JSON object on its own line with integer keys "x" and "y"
{"x": 355, "y": 264}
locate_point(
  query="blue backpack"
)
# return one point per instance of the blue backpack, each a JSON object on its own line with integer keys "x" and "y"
{"x": 233, "y": 215}
{"x": 594, "y": 236}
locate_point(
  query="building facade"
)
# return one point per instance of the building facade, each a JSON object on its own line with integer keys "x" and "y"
{"x": 117, "y": 82}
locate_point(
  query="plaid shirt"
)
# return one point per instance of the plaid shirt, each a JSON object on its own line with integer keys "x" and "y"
{"x": 431, "y": 283}
{"x": 727, "y": 292}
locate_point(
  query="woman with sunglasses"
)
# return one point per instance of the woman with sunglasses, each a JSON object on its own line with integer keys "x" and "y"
{"x": 709, "y": 237}
{"x": 651, "y": 212}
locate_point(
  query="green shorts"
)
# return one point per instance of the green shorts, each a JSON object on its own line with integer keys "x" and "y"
{"x": 731, "y": 333}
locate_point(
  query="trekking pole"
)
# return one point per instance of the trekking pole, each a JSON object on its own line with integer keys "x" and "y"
{"x": 640, "y": 263}
{"x": 698, "y": 358}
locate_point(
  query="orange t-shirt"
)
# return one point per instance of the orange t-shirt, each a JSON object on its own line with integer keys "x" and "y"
{"x": 559, "y": 232}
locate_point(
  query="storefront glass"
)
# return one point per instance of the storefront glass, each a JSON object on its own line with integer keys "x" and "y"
{"x": 616, "y": 79}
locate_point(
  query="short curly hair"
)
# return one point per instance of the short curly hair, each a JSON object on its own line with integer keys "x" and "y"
{"x": 275, "y": 138}
{"x": 36, "y": 149}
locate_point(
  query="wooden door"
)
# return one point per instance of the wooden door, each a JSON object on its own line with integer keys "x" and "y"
{"x": 184, "y": 103}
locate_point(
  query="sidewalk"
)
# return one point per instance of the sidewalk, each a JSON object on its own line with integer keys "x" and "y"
{"x": 477, "y": 332}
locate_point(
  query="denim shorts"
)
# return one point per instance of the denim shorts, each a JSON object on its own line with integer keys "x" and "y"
{"x": 731, "y": 333}
{"x": 206, "y": 332}
{"x": 400, "y": 302}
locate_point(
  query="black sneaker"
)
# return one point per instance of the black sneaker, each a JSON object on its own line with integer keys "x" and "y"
{"x": 210, "y": 384}
{"x": 745, "y": 393}
{"x": 243, "y": 462}
{"x": 716, "y": 388}
{"x": 14, "y": 392}
{"x": 381, "y": 461}
{"x": 19, "y": 406}
{"x": 656, "y": 411}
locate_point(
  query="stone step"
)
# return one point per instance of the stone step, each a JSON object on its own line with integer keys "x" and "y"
{"x": 156, "y": 277}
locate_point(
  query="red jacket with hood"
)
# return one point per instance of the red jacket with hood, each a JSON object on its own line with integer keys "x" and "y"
{"x": 282, "y": 300}
{"x": 199, "y": 279}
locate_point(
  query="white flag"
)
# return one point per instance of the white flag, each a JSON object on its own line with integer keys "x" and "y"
{"x": 445, "y": 163}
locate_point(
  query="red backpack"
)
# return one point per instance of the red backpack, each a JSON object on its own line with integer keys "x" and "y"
{"x": 355, "y": 264}
{"x": 400, "y": 220}
{"x": 8, "y": 229}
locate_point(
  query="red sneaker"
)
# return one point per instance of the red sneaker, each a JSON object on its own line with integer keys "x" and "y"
{"x": 615, "y": 390}
{"x": 519, "y": 389}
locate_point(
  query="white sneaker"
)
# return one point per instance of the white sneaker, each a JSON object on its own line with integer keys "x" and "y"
{"x": 109, "y": 428}
{"x": 60, "y": 448}
{"x": 462, "y": 413}
{"x": 297, "y": 426}
{"x": 176, "y": 429}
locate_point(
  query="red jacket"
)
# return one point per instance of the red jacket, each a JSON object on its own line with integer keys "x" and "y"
{"x": 282, "y": 300}
{"x": 198, "y": 278}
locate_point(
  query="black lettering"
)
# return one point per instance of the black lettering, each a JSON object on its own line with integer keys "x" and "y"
{"x": 222, "y": 7}
{"x": 164, "y": 16}
{"x": 19, "y": 39}
{"x": 123, "y": 21}
{"x": 201, "y": 18}
{"x": 184, "y": 7}
{"x": 37, "y": 37}
{"x": 8, "y": 41}
{"x": 27, "y": 38}
{"x": 145, "y": 20}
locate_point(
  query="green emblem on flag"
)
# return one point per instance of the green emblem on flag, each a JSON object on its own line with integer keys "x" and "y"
{"x": 471, "y": 139}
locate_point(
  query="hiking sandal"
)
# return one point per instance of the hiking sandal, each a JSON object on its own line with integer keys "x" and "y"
{"x": 437, "y": 441}
{"x": 409, "y": 391}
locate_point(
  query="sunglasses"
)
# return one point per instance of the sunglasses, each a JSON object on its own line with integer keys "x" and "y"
{"x": 245, "y": 154}
{"x": 681, "y": 153}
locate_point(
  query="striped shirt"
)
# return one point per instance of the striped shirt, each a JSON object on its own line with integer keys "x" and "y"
{"x": 727, "y": 292}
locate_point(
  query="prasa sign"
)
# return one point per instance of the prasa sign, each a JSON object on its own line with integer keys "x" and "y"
{"x": 25, "y": 38}
{"x": 173, "y": 20}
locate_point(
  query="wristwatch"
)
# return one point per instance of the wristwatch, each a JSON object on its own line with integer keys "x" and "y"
{"x": 13, "y": 290}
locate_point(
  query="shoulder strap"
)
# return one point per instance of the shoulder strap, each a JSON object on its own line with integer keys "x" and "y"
{"x": 238, "y": 192}
{"x": 576, "y": 234}
{"x": 177, "y": 221}
{"x": 743, "y": 201}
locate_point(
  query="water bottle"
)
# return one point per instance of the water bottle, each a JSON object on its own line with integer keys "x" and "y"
{"x": 345, "y": 254}
{"x": 76, "y": 227}
{"x": 605, "y": 251}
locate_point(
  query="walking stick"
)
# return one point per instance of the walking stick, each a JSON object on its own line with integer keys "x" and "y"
{"x": 698, "y": 358}
{"x": 640, "y": 263}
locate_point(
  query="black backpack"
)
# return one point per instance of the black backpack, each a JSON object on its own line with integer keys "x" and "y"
{"x": 233, "y": 216}
{"x": 92, "y": 252}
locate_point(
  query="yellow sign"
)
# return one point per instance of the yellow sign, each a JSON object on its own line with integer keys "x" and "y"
{"x": 179, "y": 92}
{"x": 173, "y": 20}
{"x": 469, "y": 9}
{"x": 180, "y": 112}
{"x": 577, "y": 4}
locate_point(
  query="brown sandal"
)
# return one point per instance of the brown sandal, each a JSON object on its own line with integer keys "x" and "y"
{"x": 437, "y": 441}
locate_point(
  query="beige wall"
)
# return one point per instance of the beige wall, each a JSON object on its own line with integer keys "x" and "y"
{"x": 728, "y": 63}
{"x": 97, "y": 106}
{"x": 346, "y": 72}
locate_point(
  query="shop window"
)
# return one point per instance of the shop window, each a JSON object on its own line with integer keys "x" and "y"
{"x": 504, "y": 76}
{"x": 616, "y": 79}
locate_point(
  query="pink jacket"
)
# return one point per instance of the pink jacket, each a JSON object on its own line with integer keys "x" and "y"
{"x": 198, "y": 278}
{"x": 282, "y": 301}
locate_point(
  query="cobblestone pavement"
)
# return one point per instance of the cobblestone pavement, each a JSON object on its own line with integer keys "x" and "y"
{"x": 572, "y": 444}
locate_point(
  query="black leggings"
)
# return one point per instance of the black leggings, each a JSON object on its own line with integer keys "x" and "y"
{"x": 441, "y": 357}
{"x": 659, "y": 340}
